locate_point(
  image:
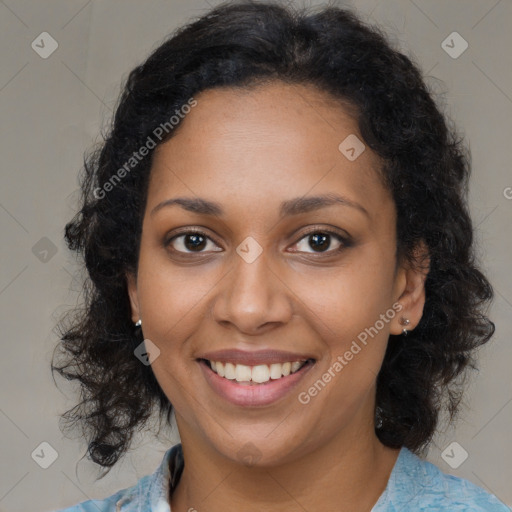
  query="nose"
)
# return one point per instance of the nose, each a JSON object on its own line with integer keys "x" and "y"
{"x": 252, "y": 297}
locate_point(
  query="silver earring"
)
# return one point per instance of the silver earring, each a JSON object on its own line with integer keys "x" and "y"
{"x": 138, "y": 323}
{"x": 404, "y": 321}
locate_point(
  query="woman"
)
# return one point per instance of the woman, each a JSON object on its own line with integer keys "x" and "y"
{"x": 278, "y": 245}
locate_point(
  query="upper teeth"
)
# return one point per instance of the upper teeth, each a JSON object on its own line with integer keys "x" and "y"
{"x": 259, "y": 373}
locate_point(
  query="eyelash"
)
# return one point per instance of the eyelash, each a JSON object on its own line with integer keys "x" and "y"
{"x": 344, "y": 241}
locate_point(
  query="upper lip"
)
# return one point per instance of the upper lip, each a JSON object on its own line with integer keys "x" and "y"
{"x": 254, "y": 358}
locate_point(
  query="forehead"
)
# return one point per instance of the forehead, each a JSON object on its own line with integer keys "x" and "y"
{"x": 271, "y": 142}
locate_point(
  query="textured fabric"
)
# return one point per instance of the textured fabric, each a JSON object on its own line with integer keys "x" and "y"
{"x": 418, "y": 485}
{"x": 414, "y": 485}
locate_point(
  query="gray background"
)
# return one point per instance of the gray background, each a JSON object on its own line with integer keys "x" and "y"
{"x": 52, "y": 111}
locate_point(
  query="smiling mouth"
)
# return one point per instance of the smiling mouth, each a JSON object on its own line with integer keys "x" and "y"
{"x": 255, "y": 375}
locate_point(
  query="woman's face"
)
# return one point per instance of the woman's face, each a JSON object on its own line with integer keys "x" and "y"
{"x": 274, "y": 276}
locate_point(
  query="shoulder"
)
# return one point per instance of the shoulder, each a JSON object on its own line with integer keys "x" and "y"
{"x": 149, "y": 493}
{"x": 416, "y": 484}
{"x": 113, "y": 503}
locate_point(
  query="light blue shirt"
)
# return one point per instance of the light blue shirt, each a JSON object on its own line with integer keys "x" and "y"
{"x": 414, "y": 485}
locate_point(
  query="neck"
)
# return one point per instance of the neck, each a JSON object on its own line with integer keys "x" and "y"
{"x": 349, "y": 473}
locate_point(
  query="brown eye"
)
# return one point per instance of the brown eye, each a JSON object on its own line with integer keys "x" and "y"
{"x": 321, "y": 242}
{"x": 192, "y": 241}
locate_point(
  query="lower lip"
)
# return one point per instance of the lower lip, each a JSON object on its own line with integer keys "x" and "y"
{"x": 253, "y": 395}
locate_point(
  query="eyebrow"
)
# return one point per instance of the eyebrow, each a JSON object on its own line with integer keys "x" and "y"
{"x": 288, "y": 208}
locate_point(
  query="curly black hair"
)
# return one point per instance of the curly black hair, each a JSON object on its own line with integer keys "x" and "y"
{"x": 425, "y": 165}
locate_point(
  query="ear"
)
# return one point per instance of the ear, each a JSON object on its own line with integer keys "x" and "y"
{"x": 131, "y": 282}
{"x": 410, "y": 289}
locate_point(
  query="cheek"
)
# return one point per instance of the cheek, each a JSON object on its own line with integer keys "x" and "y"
{"x": 172, "y": 297}
{"x": 347, "y": 306}
{"x": 347, "y": 299}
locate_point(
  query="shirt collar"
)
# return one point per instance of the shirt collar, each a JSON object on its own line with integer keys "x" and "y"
{"x": 408, "y": 479}
{"x": 166, "y": 479}
{"x": 153, "y": 493}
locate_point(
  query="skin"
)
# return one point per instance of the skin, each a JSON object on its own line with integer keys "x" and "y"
{"x": 249, "y": 150}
